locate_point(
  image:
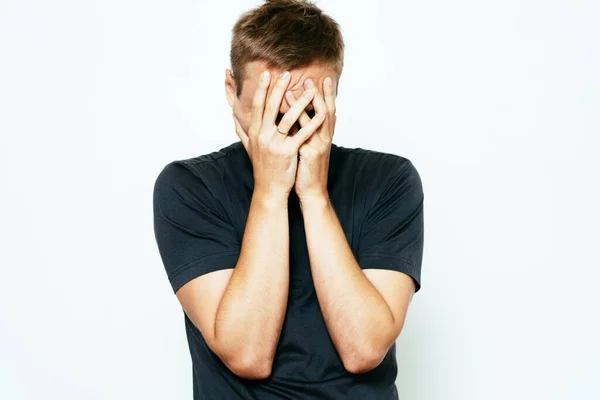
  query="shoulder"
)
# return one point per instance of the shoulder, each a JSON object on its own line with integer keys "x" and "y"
{"x": 207, "y": 168}
{"x": 375, "y": 170}
{"x": 202, "y": 174}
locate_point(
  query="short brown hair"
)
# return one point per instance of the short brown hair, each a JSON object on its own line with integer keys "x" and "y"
{"x": 286, "y": 34}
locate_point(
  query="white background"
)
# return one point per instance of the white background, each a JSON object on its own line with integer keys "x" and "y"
{"x": 496, "y": 103}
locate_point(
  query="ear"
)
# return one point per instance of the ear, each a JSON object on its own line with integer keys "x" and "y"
{"x": 230, "y": 88}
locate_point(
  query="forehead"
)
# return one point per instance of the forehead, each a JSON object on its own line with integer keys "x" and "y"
{"x": 316, "y": 71}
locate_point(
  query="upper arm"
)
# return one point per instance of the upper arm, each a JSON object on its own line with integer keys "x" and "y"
{"x": 392, "y": 233}
{"x": 200, "y": 300}
{"x": 397, "y": 289}
{"x": 198, "y": 245}
{"x": 390, "y": 247}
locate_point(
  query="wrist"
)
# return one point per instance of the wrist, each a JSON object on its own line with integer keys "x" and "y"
{"x": 316, "y": 201}
{"x": 270, "y": 199}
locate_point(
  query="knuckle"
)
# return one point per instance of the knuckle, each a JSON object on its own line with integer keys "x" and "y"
{"x": 287, "y": 120}
{"x": 276, "y": 149}
{"x": 270, "y": 107}
{"x": 256, "y": 105}
{"x": 304, "y": 102}
{"x": 292, "y": 113}
{"x": 264, "y": 142}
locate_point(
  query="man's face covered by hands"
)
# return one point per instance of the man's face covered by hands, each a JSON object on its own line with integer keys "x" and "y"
{"x": 242, "y": 106}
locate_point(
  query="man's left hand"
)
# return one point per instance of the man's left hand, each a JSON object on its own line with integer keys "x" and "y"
{"x": 313, "y": 165}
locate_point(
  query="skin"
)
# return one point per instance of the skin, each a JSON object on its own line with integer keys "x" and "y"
{"x": 364, "y": 310}
{"x": 240, "y": 311}
{"x": 241, "y": 107}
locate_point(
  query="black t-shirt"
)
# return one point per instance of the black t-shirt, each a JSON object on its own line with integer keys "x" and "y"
{"x": 200, "y": 210}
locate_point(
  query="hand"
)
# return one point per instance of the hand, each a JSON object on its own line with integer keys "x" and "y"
{"x": 274, "y": 155}
{"x": 313, "y": 166}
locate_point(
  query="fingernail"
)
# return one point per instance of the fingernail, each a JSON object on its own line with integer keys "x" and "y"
{"x": 307, "y": 94}
{"x": 265, "y": 75}
{"x": 290, "y": 95}
{"x": 285, "y": 75}
{"x": 310, "y": 83}
{"x": 320, "y": 116}
{"x": 328, "y": 81}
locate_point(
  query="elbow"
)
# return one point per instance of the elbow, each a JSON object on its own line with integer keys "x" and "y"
{"x": 243, "y": 362}
{"x": 360, "y": 366}
{"x": 367, "y": 354}
{"x": 251, "y": 367}
{"x": 362, "y": 361}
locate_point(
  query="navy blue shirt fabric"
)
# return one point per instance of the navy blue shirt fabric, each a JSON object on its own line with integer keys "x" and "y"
{"x": 200, "y": 210}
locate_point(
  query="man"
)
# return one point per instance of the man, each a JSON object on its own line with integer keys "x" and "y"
{"x": 294, "y": 259}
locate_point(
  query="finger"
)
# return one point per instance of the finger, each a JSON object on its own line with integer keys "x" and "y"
{"x": 318, "y": 101}
{"x": 329, "y": 94}
{"x": 304, "y": 118}
{"x": 240, "y": 131}
{"x": 274, "y": 101}
{"x": 303, "y": 134}
{"x": 258, "y": 102}
{"x": 292, "y": 115}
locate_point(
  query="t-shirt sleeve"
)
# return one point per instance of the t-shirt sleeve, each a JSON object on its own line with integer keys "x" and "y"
{"x": 392, "y": 232}
{"x": 193, "y": 235}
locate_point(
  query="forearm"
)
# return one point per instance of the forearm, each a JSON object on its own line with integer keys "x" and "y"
{"x": 251, "y": 312}
{"x": 357, "y": 316}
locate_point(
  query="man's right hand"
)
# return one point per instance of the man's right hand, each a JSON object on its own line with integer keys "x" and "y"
{"x": 274, "y": 155}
